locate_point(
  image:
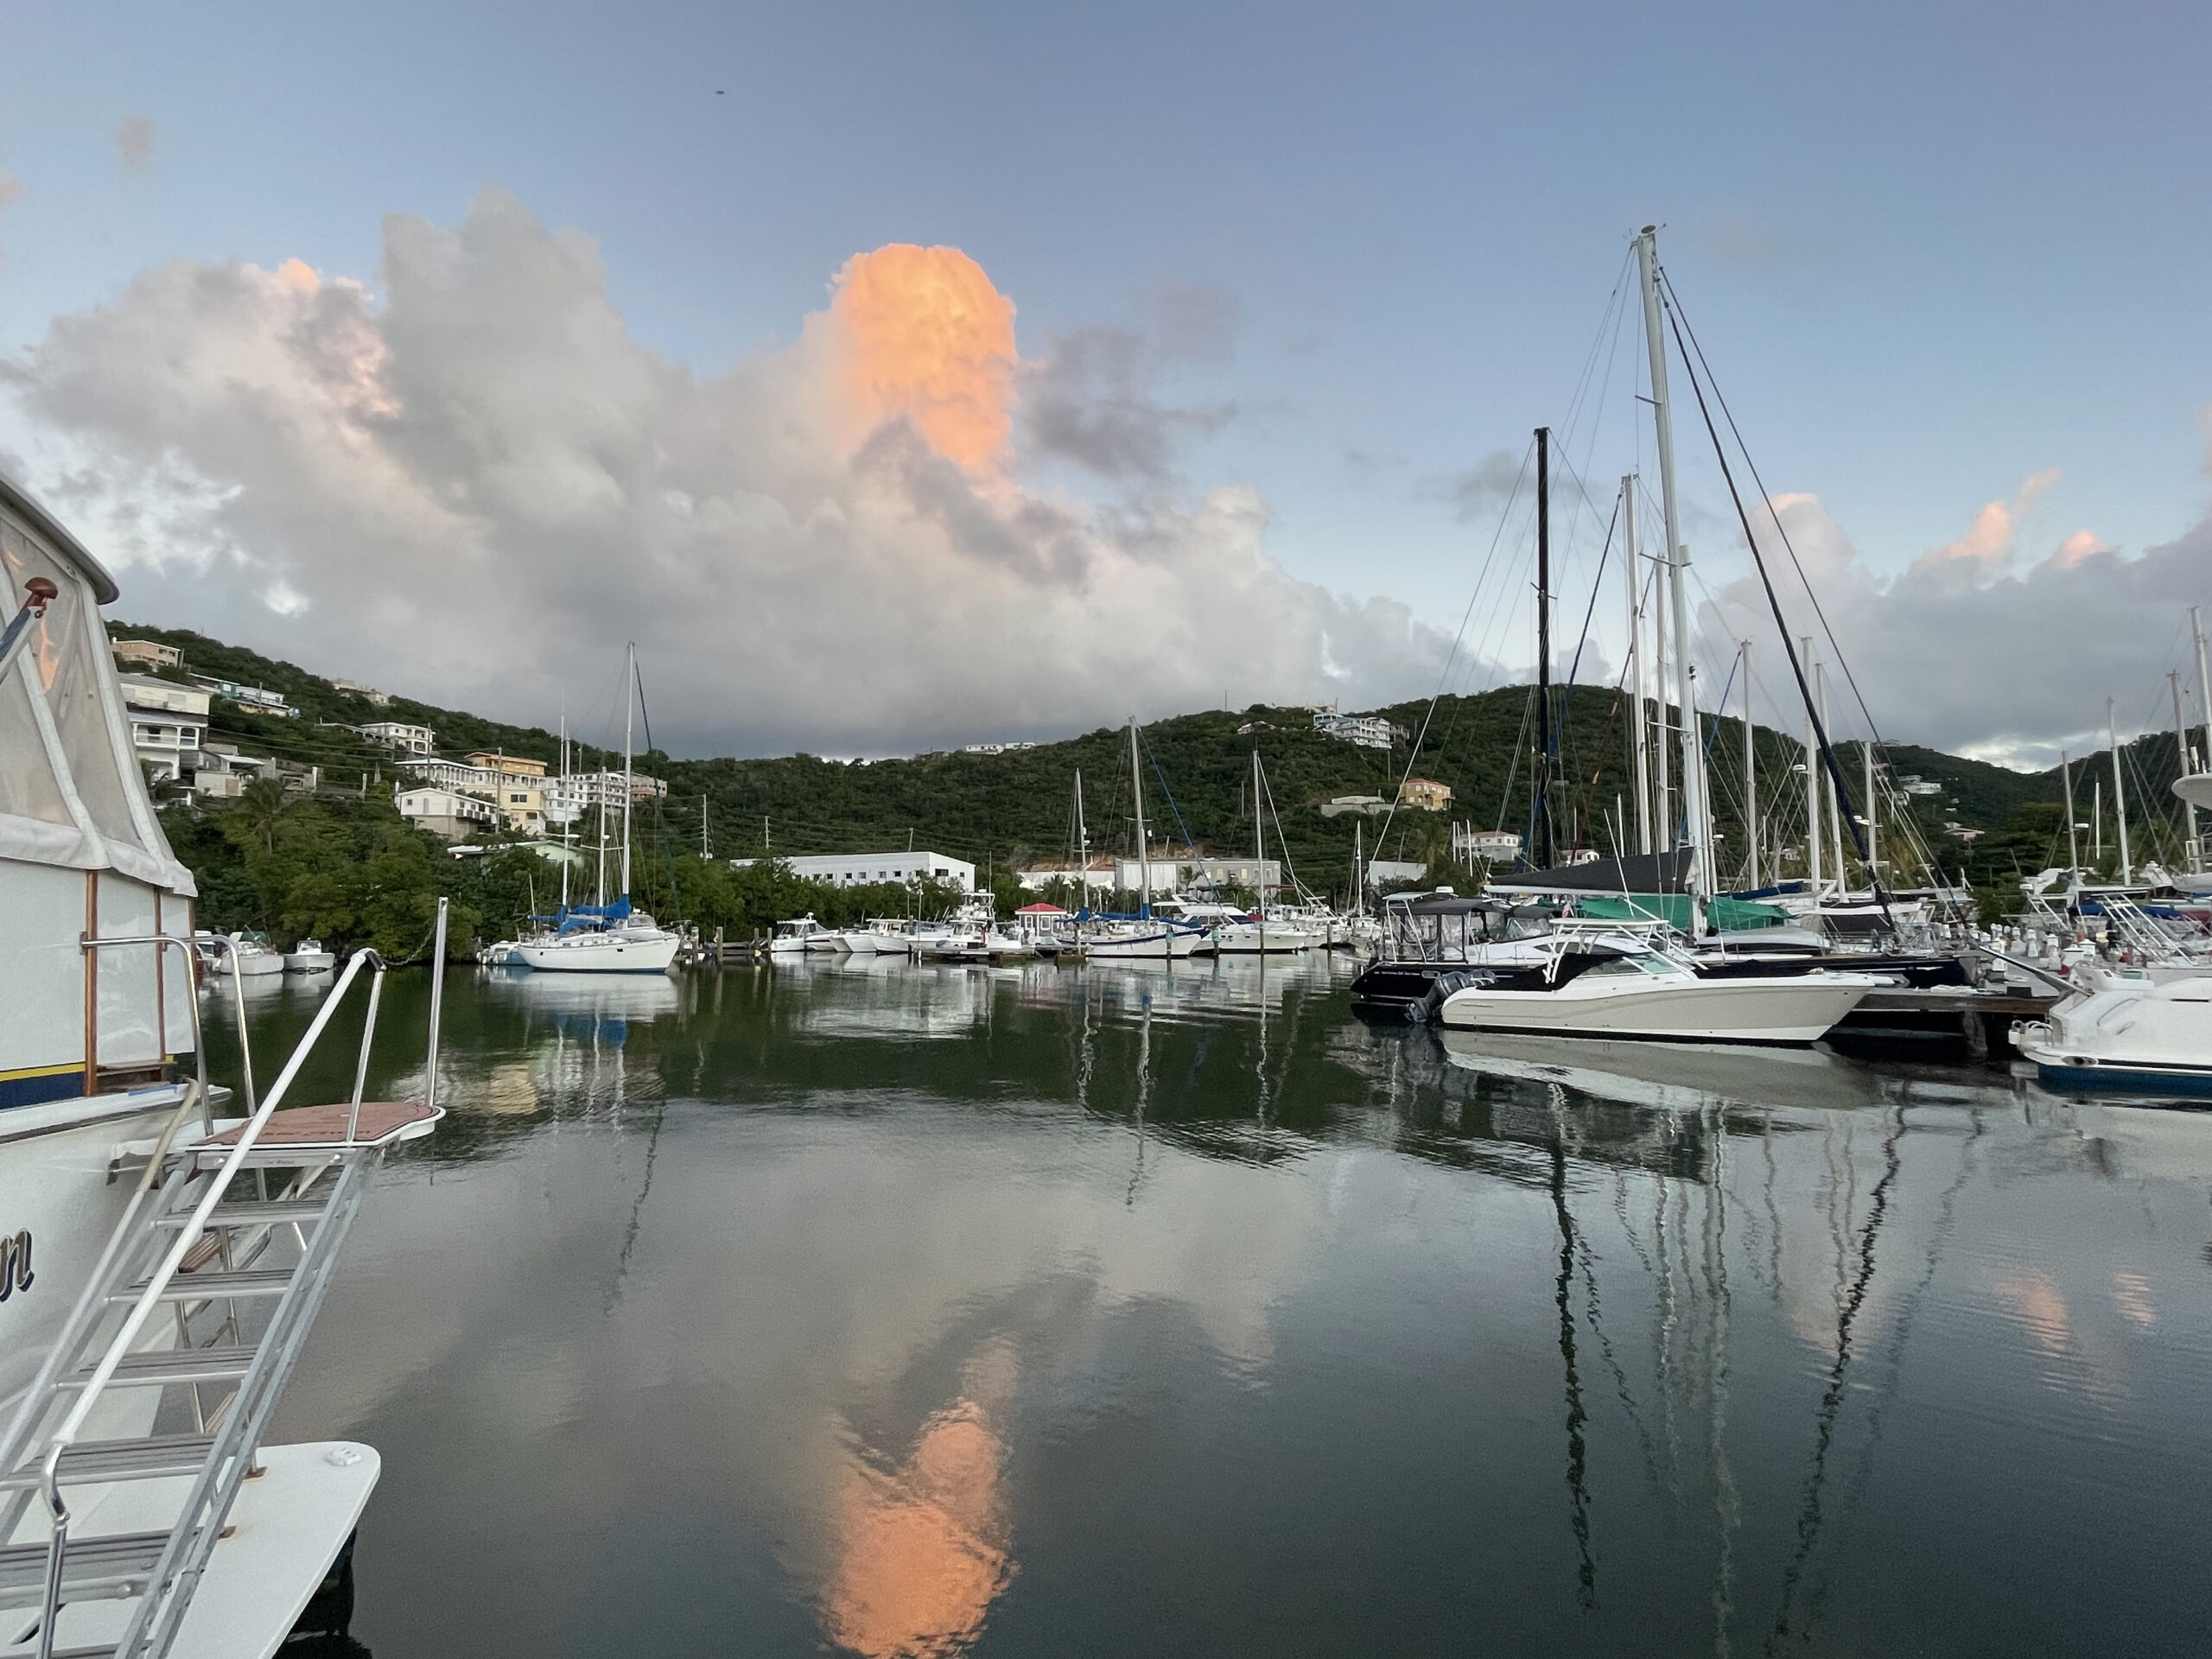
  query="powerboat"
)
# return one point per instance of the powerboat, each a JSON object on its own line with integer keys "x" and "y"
{"x": 248, "y": 958}
{"x": 798, "y": 937}
{"x": 308, "y": 956}
{"x": 1429, "y": 941}
{"x": 143, "y": 1512}
{"x": 2125, "y": 1029}
{"x": 1609, "y": 983}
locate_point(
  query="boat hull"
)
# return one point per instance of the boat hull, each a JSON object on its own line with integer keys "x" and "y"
{"x": 601, "y": 953}
{"x": 1792, "y": 1012}
{"x": 1168, "y": 946}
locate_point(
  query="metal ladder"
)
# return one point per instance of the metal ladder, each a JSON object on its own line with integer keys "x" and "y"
{"x": 203, "y": 1297}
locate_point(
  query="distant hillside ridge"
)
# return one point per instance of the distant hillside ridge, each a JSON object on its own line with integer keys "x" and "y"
{"x": 1012, "y": 807}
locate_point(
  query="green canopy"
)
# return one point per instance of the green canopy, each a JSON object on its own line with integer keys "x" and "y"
{"x": 1729, "y": 915}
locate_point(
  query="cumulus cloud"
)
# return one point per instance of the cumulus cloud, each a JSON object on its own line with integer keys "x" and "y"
{"x": 1971, "y": 648}
{"x": 10, "y": 191}
{"x": 1482, "y": 488}
{"x": 134, "y": 143}
{"x": 475, "y": 487}
{"x": 1092, "y": 398}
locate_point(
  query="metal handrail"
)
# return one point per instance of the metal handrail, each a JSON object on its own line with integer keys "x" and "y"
{"x": 65, "y": 1434}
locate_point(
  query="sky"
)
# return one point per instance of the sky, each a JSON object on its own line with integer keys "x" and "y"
{"x": 899, "y": 377}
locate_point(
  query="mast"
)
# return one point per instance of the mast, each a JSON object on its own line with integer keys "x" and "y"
{"x": 1144, "y": 851}
{"x": 1639, "y": 740}
{"x": 2119, "y": 797}
{"x": 2181, "y": 747}
{"x": 1358, "y": 886}
{"x": 1258, "y": 842}
{"x": 2203, "y": 707}
{"x": 1693, "y": 797}
{"x": 629, "y": 719}
{"x": 1543, "y": 773}
{"x": 1873, "y": 818}
{"x": 1750, "y": 775}
{"x": 567, "y": 802}
{"x": 2073, "y": 840}
{"x": 1828, "y": 782}
{"x": 1812, "y": 796}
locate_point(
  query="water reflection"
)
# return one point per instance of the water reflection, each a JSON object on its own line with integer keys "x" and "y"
{"x": 923, "y": 1542}
{"x": 1212, "y": 1294}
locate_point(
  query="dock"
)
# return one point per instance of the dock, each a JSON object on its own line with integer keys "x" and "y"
{"x": 1982, "y": 1021}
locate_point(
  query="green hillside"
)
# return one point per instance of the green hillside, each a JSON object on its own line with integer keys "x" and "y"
{"x": 1002, "y": 812}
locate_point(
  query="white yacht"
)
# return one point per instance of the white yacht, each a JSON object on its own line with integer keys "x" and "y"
{"x": 141, "y": 1359}
{"x": 308, "y": 956}
{"x": 1614, "y": 984}
{"x": 2125, "y": 1029}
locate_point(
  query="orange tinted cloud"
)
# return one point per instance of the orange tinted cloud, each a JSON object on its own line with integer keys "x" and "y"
{"x": 932, "y": 340}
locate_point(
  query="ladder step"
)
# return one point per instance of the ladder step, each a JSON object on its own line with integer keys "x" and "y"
{"x": 90, "y": 1568}
{"x": 252, "y": 1214}
{"x": 154, "y": 1457}
{"x": 205, "y": 1286}
{"x": 156, "y": 1366}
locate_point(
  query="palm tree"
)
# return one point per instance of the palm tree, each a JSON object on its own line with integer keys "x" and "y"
{"x": 263, "y": 809}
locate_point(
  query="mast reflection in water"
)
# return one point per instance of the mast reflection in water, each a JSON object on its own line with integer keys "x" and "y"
{"x": 1137, "y": 1309}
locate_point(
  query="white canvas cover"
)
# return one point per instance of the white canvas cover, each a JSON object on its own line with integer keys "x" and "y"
{"x": 71, "y": 790}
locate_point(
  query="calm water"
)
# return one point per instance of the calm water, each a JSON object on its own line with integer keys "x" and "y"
{"x": 1047, "y": 1311}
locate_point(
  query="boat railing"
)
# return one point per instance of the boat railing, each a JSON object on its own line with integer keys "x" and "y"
{"x": 155, "y": 1289}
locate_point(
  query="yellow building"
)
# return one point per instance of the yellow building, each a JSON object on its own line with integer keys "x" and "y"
{"x": 511, "y": 765}
{"x": 1424, "y": 793}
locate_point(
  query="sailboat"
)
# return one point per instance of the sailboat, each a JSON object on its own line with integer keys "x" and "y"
{"x": 1258, "y": 936}
{"x": 1144, "y": 935}
{"x": 608, "y": 938}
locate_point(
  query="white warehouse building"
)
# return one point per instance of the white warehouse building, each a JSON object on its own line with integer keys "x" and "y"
{"x": 865, "y": 869}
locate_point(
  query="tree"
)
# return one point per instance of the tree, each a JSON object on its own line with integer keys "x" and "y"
{"x": 261, "y": 811}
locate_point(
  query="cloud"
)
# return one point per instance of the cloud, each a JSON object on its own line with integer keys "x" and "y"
{"x": 1964, "y": 650}
{"x": 134, "y": 143}
{"x": 476, "y": 488}
{"x": 1482, "y": 488}
{"x": 1092, "y": 398}
{"x": 12, "y": 191}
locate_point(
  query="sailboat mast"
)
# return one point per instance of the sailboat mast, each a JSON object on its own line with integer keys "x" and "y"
{"x": 629, "y": 719}
{"x": 1259, "y": 840}
{"x": 1812, "y": 789}
{"x": 1543, "y": 768}
{"x": 1750, "y": 775}
{"x": 1828, "y": 782}
{"x": 2119, "y": 797}
{"x": 2073, "y": 838}
{"x": 1358, "y": 886}
{"x": 1639, "y": 740}
{"x": 1693, "y": 796}
{"x": 2180, "y": 748}
{"x": 1873, "y": 819}
{"x": 1144, "y": 849}
{"x": 2204, "y": 708}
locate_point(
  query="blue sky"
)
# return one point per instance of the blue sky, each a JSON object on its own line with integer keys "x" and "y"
{"x": 1934, "y": 249}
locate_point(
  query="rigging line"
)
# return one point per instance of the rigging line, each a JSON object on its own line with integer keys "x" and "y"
{"x": 667, "y": 848}
{"x": 1413, "y": 753}
{"x": 1812, "y": 712}
{"x": 1567, "y": 702}
{"x": 1682, "y": 327}
{"x": 1168, "y": 793}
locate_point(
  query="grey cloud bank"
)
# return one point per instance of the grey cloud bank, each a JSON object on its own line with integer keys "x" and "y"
{"x": 475, "y": 488}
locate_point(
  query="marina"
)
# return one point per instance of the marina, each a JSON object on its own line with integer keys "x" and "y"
{"x": 965, "y": 1309}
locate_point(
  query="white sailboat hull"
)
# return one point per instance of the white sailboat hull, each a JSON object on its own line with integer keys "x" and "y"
{"x": 1265, "y": 939}
{"x": 1165, "y": 946}
{"x": 602, "y": 953}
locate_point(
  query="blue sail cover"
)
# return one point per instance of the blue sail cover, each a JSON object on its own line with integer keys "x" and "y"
{"x": 579, "y": 919}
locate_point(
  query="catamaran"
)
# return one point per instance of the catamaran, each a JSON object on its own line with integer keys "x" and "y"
{"x": 152, "y": 1305}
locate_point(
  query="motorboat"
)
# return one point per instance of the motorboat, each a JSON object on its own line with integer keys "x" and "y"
{"x": 877, "y": 938}
{"x": 1611, "y": 983}
{"x": 796, "y": 936}
{"x": 141, "y": 1359}
{"x": 308, "y": 956}
{"x": 1430, "y": 939}
{"x": 1263, "y": 935}
{"x": 247, "y": 958}
{"x": 501, "y": 954}
{"x": 2125, "y": 1029}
